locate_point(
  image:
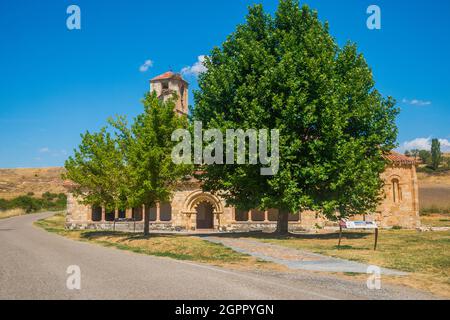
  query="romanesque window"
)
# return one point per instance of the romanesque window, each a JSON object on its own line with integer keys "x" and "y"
{"x": 122, "y": 214}
{"x": 137, "y": 214}
{"x": 96, "y": 214}
{"x": 273, "y": 215}
{"x": 396, "y": 191}
{"x": 257, "y": 215}
{"x": 152, "y": 213}
{"x": 294, "y": 217}
{"x": 241, "y": 215}
{"x": 166, "y": 212}
{"x": 110, "y": 215}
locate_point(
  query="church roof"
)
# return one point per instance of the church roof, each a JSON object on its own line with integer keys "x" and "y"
{"x": 398, "y": 158}
{"x": 168, "y": 75}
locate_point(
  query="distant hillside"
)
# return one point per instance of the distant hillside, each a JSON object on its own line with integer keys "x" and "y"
{"x": 16, "y": 182}
{"x": 434, "y": 187}
{"x": 434, "y": 191}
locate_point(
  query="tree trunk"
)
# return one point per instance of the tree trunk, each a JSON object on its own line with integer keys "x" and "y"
{"x": 283, "y": 222}
{"x": 146, "y": 222}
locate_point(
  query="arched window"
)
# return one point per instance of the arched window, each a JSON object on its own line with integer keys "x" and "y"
{"x": 257, "y": 215}
{"x": 122, "y": 214}
{"x": 396, "y": 191}
{"x": 137, "y": 214}
{"x": 273, "y": 215}
{"x": 241, "y": 215}
{"x": 294, "y": 217}
{"x": 151, "y": 212}
{"x": 166, "y": 212}
{"x": 96, "y": 214}
{"x": 110, "y": 215}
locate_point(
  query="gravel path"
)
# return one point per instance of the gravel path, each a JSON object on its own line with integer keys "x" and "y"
{"x": 34, "y": 263}
{"x": 294, "y": 258}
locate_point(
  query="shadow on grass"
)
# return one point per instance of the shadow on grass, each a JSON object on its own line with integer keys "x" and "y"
{"x": 276, "y": 236}
{"x": 92, "y": 235}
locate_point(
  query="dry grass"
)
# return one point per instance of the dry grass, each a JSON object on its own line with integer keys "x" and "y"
{"x": 434, "y": 192}
{"x": 171, "y": 246}
{"x": 17, "y": 182}
{"x": 425, "y": 255}
{"x": 434, "y": 199}
{"x": 11, "y": 213}
{"x": 435, "y": 220}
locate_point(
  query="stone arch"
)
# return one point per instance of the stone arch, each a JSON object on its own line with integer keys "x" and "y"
{"x": 197, "y": 197}
{"x": 395, "y": 188}
{"x": 194, "y": 200}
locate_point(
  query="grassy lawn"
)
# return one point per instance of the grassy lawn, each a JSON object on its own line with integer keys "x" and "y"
{"x": 171, "y": 246}
{"x": 436, "y": 220}
{"x": 426, "y": 255}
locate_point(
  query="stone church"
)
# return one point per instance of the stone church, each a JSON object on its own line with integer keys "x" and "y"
{"x": 192, "y": 209}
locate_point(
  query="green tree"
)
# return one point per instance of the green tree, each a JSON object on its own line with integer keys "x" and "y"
{"x": 436, "y": 154}
{"x": 99, "y": 170}
{"x": 425, "y": 156}
{"x": 127, "y": 166}
{"x": 407, "y": 153}
{"x": 415, "y": 153}
{"x": 286, "y": 72}
{"x": 152, "y": 174}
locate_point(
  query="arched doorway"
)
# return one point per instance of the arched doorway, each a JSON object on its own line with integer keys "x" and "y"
{"x": 202, "y": 210}
{"x": 205, "y": 215}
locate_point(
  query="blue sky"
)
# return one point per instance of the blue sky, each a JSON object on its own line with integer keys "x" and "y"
{"x": 56, "y": 83}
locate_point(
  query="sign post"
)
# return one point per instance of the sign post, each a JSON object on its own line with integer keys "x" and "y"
{"x": 358, "y": 225}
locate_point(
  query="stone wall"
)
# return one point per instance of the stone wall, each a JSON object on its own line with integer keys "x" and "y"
{"x": 404, "y": 210}
{"x": 399, "y": 209}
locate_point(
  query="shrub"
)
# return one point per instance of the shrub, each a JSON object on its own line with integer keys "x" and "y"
{"x": 49, "y": 201}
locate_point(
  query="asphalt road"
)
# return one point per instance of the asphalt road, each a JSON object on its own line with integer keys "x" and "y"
{"x": 33, "y": 265}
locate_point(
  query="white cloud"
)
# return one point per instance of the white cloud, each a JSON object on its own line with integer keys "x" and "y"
{"x": 417, "y": 102}
{"x": 44, "y": 150}
{"x": 147, "y": 65}
{"x": 196, "y": 68}
{"x": 424, "y": 144}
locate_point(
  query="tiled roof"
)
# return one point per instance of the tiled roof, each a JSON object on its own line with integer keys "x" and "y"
{"x": 400, "y": 158}
{"x": 168, "y": 75}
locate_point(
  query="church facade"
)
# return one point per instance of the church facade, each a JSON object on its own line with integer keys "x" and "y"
{"x": 192, "y": 209}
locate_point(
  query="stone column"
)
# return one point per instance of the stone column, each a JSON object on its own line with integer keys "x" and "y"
{"x": 143, "y": 212}
{"x": 103, "y": 214}
{"x": 116, "y": 214}
{"x": 158, "y": 212}
{"x": 266, "y": 216}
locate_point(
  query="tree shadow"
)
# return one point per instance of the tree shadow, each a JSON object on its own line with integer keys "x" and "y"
{"x": 276, "y": 236}
{"x": 93, "y": 235}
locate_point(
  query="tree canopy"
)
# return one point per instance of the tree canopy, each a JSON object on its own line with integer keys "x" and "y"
{"x": 287, "y": 72}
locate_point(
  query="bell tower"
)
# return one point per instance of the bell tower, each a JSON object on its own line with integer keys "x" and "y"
{"x": 166, "y": 84}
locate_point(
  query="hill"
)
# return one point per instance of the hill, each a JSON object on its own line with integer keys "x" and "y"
{"x": 434, "y": 192}
{"x": 17, "y": 182}
{"x": 434, "y": 187}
